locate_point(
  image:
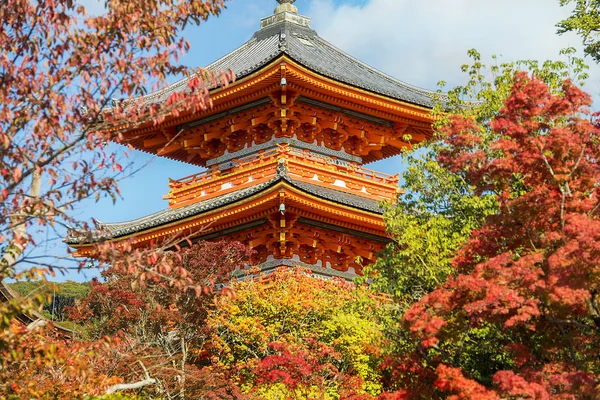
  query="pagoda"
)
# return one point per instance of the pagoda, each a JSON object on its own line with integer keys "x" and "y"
{"x": 282, "y": 153}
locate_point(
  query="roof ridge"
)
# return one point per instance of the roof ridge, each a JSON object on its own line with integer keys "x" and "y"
{"x": 383, "y": 74}
{"x": 282, "y": 36}
{"x": 113, "y": 230}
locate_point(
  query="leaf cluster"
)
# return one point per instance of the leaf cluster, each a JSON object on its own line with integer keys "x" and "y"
{"x": 164, "y": 326}
{"x": 585, "y": 21}
{"x": 299, "y": 335}
{"x": 520, "y": 311}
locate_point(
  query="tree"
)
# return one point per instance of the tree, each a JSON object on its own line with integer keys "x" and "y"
{"x": 162, "y": 327}
{"x": 62, "y": 294}
{"x": 438, "y": 209}
{"x": 296, "y": 336}
{"x": 437, "y": 214}
{"x": 60, "y": 73}
{"x": 529, "y": 275}
{"x": 585, "y": 21}
{"x": 430, "y": 221}
{"x": 61, "y": 69}
{"x": 38, "y": 364}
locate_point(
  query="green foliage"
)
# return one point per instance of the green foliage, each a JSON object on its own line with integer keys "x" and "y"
{"x": 430, "y": 222}
{"x": 68, "y": 289}
{"x": 488, "y": 87}
{"x": 585, "y": 21}
{"x": 55, "y": 296}
{"x": 437, "y": 211}
{"x": 268, "y": 324}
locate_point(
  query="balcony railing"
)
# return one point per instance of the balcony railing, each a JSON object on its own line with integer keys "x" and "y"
{"x": 272, "y": 156}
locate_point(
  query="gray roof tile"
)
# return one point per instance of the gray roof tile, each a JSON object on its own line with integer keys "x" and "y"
{"x": 304, "y": 46}
{"x": 120, "y": 229}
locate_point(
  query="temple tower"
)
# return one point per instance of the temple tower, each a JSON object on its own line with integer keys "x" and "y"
{"x": 283, "y": 151}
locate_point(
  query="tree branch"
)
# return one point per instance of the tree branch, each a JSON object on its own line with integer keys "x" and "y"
{"x": 129, "y": 386}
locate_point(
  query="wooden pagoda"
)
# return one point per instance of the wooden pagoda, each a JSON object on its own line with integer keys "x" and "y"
{"x": 282, "y": 151}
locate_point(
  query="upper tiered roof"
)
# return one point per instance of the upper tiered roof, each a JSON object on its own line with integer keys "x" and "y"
{"x": 169, "y": 216}
{"x": 291, "y": 85}
{"x": 290, "y": 34}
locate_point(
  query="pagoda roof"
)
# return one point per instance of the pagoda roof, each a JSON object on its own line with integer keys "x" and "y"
{"x": 289, "y": 34}
{"x": 120, "y": 229}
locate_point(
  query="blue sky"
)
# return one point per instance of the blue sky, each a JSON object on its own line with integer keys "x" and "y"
{"x": 419, "y": 42}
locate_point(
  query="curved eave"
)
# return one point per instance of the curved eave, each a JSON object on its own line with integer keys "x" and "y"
{"x": 356, "y": 94}
{"x": 259, "y": 83}
{"x": 246, "y": 83}
{"x": 222, "y": 211}
{"x": 312, "y": 52}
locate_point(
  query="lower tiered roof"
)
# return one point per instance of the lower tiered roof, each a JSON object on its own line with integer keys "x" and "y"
{"x": 170, "y": 215}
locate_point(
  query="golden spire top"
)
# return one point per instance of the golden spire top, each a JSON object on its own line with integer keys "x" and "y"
{"x": 286, "y": 5}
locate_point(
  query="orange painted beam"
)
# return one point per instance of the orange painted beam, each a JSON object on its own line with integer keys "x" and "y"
{"x": 301, "y": 82}
{"x": 304, "y": 205}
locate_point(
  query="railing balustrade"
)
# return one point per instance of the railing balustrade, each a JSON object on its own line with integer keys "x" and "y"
{"x": 300, "y": 156}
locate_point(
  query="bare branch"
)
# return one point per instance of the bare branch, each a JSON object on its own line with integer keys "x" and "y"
{"x": 129, "y": 386}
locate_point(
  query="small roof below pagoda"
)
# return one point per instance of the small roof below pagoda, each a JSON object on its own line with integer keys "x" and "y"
{"x": 288, "y": 33}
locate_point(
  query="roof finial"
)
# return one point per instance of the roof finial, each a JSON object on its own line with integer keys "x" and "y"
{"x": 286, "y": 5}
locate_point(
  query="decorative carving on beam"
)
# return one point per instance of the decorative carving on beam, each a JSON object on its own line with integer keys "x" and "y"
{"x": 286, "y": 238}
{"x": 285, "y": 115}
{"x": 341, "y": 229}
{"x": 225, "y": 114}
{"x": 238, "y": 227}
{"x": 344, "y": 111}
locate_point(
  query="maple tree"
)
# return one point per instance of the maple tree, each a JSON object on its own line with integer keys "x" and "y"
{"x": 296, "y": 336}
{"x": 37, "y": 364}
{"x": 161, "y": 329}
{"x": 59, "y": 73}
{"x": 520, "y": 316}
{"x": 67, "y": 80}
{"x": 438, "y": 209}
{"x": 585, "y": 21}
{"x": 441, "y": 211}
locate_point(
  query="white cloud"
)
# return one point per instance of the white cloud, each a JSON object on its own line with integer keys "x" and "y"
{"x": 422, "y": 42}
